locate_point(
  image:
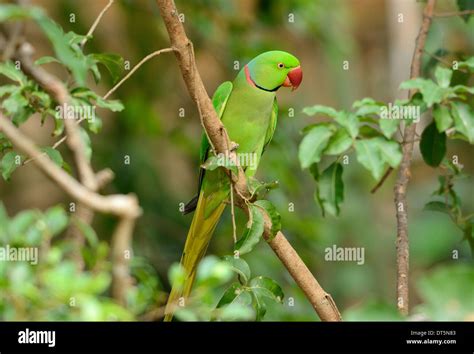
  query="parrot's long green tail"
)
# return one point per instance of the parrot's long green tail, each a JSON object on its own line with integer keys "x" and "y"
{"x": 199, "y": 235}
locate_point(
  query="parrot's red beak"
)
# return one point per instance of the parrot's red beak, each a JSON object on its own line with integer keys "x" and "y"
{"x": 294, "y": 78}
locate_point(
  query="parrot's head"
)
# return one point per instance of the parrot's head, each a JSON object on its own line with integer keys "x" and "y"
{"x": 271, "y": 70}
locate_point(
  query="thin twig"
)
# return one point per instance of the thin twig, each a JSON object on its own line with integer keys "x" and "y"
{"x": 135, "y": 68}
{"x": 404, "y": 173}
{"x": 96, "y": 22}
{"x": 382, "y": 180}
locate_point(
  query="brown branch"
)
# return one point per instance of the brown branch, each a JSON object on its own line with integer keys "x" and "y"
{"x": 403, "y": 176}
{"x": 117, "y": 204}
{"x": 59, "y": 92}
{"x": 219, "y": 140}
{"x": 321, "y": 301}
{"x": 382, "y": 180}
{"x": 121, "y": 255}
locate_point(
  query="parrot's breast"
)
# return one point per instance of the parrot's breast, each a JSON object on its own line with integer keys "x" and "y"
{"x": 247, "y": 116}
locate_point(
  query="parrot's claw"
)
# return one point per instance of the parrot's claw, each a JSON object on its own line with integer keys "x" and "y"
{"x": 233, "y": 146}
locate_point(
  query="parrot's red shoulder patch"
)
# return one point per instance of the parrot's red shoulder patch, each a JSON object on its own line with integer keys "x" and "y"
{"x": 247, "y": 76}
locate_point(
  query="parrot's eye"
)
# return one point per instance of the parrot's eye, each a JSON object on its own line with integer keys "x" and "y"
{"x": 281, "y": 65}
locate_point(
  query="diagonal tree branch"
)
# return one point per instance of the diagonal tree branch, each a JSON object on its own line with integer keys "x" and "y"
{"x": 116, "y": 204}
{"x": 219, "y": 140}
{"x": 403, "y": 176}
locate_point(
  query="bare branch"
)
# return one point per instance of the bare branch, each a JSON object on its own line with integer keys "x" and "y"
{"x": 121, "y": 255}
{"x": 96, "y": 22}
{"x": 403, "y": 176}
{"x": 382, "y": 180}
{"x": 135, "y": 68}
{"x": 219, "y": 140}
{"x": 120, "y": 205}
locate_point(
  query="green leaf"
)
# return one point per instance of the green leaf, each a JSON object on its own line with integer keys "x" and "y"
{"x": 390, "y": 151}
{"x": 338, "y": 143}
{"x": 330, "y": 189}
{"x": 66, "y": 48}
{"x": 8, "y": 89}
{"x": 15, "y": 12}
{"x": 9, "y": 164}
{"x": 469, "y": 63}
{"x": 113, "y": 105}
{"x": 54, "y": 155}
{"x": 211, "y": 163}
{"x": 58, "y": 125}
{"x": 213, "y": 272}
{"x": 267, "y": 288}
{"x": 443, "y": 76}
{"x": 375, "y": 152}
{"x": 464, "y": 5}
{"x": 389, "y": 126}
{"x": 319, "y": 109}
{"x": 41, "y": 98}
{"x": 87, "y": 231}
{"x": 272, "y": 213}
{"x": 46, "y": 60}
{"x": 442, "y": 117}
{"x": 14, "y": 103}
{"x": 259, "y": 306}
{"x": 438, "y": 206}
{"x": 56, "y": 220}
{"x": 369, "y": 156}
{"x": 235, "y": 294}
{"x": 313, "y": 144}
{"x": 240, "y": 267}
{"x": 85, "y": 93}
{"x": 349, "y": 121}
{"x": 22, "y": 221}
{"x": 431, "y": 92}
{"x": 94, "y": 124}
{"x": 463, "y": 89}
{"x": 433, "y": 145}
{"x": 95, "y": 71}
{"x": 253, "y": 233}
{"x": 463, "y": 119}
{"x": 177, "y": 275}
{"x": 9, "y": 70}
{"x": 113, "y": 62}
{"x": 367, "y": 106}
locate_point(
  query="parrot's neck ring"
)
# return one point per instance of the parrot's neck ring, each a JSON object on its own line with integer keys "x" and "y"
{"x": 253, "y": 83}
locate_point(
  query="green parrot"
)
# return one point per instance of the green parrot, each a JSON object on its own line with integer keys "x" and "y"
{"x": 248, "y": 109}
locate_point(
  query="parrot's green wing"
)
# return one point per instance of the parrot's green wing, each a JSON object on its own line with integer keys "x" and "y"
{"x": 272, "y": 125}
{"x": 219, "y": 100}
